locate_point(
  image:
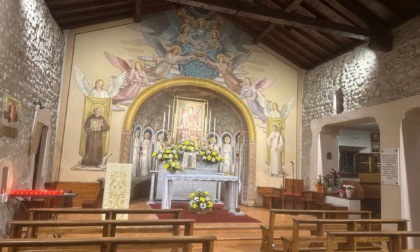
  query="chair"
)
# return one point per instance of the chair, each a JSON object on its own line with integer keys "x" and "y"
{"x": 292, "y": 195}
{"x": 293, "y": 187}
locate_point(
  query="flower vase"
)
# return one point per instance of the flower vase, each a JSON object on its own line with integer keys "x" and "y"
{"x": 319, "y": 188}
{"x": 329, "y": 190}
{"x": 341, "y": 194}
{"x": 349, "y": 193}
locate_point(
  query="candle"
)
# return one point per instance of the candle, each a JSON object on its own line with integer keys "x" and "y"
{"x": 169, "y": 116}
{"x": 205, "y": 128}
{"x": 163, "y": 124}
{"x": 209, "y": 127}
{"x": 214, "y": 128}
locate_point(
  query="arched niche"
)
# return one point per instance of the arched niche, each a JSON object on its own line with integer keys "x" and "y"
{"x": 193, "y": 85}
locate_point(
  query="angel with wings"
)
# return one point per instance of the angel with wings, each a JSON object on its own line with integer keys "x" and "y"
{"x": 166, "y": 59}
{"x": 98, "y": 89}
{"x": 226, "y": 69}
{"x": 251, "y": 91}
{"x": 136, "y": 77}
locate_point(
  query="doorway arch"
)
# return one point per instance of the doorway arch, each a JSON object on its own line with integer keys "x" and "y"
{"x": 248, "y": 186}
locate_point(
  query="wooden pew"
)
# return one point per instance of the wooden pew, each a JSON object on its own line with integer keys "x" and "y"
{"x": 291, "y": 243}
{"x": 268, "y": 230}
{"x": 108, "y": 228}
{"x": 397, "y": 240}
{"x": 110, "y": 214}
{"x": 110, "y": 244}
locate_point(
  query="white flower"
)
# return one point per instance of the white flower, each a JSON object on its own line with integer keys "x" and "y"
{"x": 203, "y": 205}
{"x": 213, "y": 159}
{"x": 204, "y": 157}
{"x": 160, "y": 156}
{"x": 170, "y": 156}
{"x": 349, "y": 187}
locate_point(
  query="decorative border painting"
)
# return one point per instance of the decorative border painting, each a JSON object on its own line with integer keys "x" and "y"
{"x": 11, "y": 112}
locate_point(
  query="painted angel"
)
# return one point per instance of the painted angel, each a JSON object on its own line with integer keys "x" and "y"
{"x": 251, "y": 91}
{"x": 98, "y": 89}
{"x": 135, "y": 77}
{"x": 166, "y": 59}
{"x": 226, "y": 69}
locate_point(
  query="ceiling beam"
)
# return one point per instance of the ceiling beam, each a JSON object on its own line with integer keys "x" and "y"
{"x": 137, "y": 10}
{"x": 381, "y": 39}
{"x": 279, "y": 17}
{"x": 271, "y": 26}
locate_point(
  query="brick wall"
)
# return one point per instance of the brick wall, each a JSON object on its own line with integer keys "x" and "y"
{"x": 366, "y": 77}
{"x": 31, "y": 56}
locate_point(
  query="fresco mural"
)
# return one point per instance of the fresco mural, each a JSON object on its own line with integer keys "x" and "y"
{"x": 183, "y": 42}
{"x": 95, "y": 133}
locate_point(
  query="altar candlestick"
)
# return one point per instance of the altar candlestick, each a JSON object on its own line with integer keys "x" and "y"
{"x": 214, "y": 128}
{"x": 209, "y": 121}
{"x": 169, "y": 117}
{"x": 205, "y": 128}
{"x": 163, "y": 124}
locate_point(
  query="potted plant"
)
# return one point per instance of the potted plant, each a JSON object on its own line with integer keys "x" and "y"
{"x": 200, "y": 202}
{"x": 349, "y": 190}
{"x": 331, "y": 180}
{"x": 169, "y": 156}
{"x": 209, "y": 155}
{"x": 319, "y": 185}
{"x": 341, "y": 191}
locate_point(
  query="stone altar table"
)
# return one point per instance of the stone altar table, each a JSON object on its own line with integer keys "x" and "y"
{"x": 231, "y": 189}
{"x": 181, "y": 191}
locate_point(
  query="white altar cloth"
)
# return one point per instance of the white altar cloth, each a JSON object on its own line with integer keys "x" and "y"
{"x": 231, "y": 189}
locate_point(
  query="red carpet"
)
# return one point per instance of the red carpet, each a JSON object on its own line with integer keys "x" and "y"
{"x": 217, "y": 215}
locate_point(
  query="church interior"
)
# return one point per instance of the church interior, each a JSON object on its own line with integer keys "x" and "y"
{"x": 119, "y": 113}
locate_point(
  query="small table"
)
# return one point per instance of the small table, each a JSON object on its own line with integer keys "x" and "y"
{"x": 231, "y": 189}
{"x": 20, "y": 198}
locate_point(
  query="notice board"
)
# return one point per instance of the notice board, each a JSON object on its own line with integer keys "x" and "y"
{"x": 390, "y": 166}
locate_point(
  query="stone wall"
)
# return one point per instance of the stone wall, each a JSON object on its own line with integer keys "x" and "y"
{"x": 366, "y": 78}
{"x": 31, "y": 57}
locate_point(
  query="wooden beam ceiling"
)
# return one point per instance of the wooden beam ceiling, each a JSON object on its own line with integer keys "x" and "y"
{"x": 282, "y": 17}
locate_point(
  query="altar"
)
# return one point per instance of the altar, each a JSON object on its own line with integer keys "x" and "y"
{"x": 182, "y": 189}
{"x": 231, "y": 189}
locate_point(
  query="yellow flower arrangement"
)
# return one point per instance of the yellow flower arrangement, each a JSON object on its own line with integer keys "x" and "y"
{"x": 200, "y": 201}
{"x": 169, "y": 156}
{"x": 172, "y": 166}
{"x": 188, "y": 145}
{"x": 169, "y": 153}
{"x": 209, "y": 155}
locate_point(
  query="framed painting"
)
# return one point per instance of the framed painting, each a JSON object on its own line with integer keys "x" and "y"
{"x": 11, "y": 111}
{"x": 190, "y": 120}
{"x": 375, "y": 137}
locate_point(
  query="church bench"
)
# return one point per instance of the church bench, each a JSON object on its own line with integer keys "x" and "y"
{"x": 108, "y": 228}
{"x": 292, "y": 243}
{"x": 110, "y": 214}
{"x": 268, "y": 230}
{"x": 109, "y": 244}
{"x": 397, "y": 240}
